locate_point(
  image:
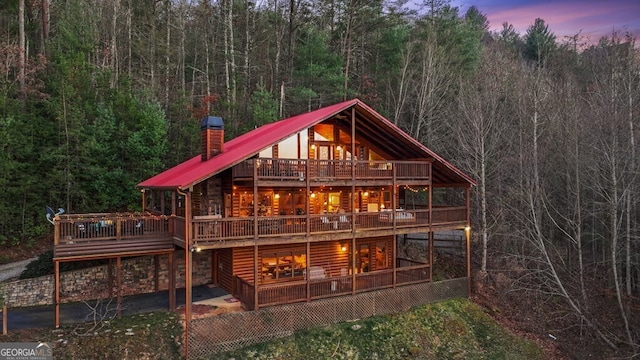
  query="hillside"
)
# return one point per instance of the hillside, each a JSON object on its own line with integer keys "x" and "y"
{"x": 454, "y": 329}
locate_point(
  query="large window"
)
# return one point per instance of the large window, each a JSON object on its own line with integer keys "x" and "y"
{"x": 283, "y": 265}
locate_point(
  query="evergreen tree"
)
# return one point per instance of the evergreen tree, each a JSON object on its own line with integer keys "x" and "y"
{"x": 539, "y": 42}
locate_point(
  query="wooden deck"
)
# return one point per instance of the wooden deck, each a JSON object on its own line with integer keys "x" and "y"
{"x": 223, "y": 232}
{"x": 320, "y": 171}
{"x": 95, "y": 236}
{"x": 90, "y": 236}
{"x": 406, "y": 272}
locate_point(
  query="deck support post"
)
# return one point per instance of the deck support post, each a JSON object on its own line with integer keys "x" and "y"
{"x": 214, "y": 267}
{"x": 395, "y": 259}
{"x": 110, "y": 276}
{"x": 119, "y": 285}
{"x": 255, "y": 277}
{"x": 4, "y": 319}
{"x": 353, "y": 265}
{"x": 467, "y": 233}
{"x": 430, "y": 235}
{"x": 56, "y": 297}
{"x": 431, "y": 246}
{"x": 171, "y": 268}
{"x": 308, "y": 266}
{"x": 187, "y": 270}
{"x": 156, "y": 273}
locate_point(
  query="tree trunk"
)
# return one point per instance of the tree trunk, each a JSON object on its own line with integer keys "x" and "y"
{"x": 113, "y": 45}
{"x": 347, "y": 49}
{"x": 46, "y": 19}
{"x": 22, "y": 59}
{"x": 167, "y": 58}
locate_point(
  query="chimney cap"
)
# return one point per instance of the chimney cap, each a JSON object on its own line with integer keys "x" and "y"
{"x": 212, "y": 122}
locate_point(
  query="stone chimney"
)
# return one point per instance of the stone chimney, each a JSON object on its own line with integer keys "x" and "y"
{"x": 211, "y": 137}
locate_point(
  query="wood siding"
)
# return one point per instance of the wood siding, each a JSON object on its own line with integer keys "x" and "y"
{"x": 225, "y": 267}
{"x": 243, "y": 263}
{"x": 330, "y": 257}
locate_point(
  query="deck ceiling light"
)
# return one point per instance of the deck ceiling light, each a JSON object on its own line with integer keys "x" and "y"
{"x": 196, "y": 248}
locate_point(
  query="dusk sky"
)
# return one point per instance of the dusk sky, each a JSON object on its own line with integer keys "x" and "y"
{"x": 565, "y": 17}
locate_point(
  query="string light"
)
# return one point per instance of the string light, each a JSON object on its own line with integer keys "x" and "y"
{"x": 407, "y": 187}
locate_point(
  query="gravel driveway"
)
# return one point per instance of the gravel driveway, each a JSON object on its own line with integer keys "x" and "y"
{"x": 12, "y": 270}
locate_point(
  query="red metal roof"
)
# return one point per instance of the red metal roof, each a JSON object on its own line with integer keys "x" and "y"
{"x": 245, "y": 146}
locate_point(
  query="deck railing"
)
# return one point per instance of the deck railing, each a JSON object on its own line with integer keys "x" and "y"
{"x": 321, "y": 170}
{"x": 282, "y": 293}
{"x": 117, "y": 226}
{"x": 446, "y": 214}
{"x": 411, "y": 272}
{"x": 244, "y": 291}
{"x": 76, "y": 228}
{"x": 219, "y": 229}
{"x": 408, "y": 272}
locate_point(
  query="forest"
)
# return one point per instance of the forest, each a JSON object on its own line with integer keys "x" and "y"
{"x": 96, "y": 96}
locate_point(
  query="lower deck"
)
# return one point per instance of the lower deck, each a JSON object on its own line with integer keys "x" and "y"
{"x": 280, "y": 274}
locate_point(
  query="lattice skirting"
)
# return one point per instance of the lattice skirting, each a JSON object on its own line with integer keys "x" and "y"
{"x": 232, "y": 331}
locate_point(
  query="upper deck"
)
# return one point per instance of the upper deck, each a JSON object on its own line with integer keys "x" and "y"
{"x": 345, "y": 172}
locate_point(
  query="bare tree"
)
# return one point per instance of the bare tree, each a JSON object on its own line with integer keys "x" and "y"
{"x": 479, "y": 129}
{"x": 22, "y": 46}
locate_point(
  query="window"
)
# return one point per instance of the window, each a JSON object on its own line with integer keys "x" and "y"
{"x": 372, "y": 257}
{"x": 283, "y": 265}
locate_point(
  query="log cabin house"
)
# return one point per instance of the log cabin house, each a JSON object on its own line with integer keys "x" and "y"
{"x": 304, "y": 208}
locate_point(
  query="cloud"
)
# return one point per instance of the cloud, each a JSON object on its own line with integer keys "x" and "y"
{"x": 593, "y": 18}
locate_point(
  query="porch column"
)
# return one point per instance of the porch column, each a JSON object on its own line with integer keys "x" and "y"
{"x": 144, "y": 200}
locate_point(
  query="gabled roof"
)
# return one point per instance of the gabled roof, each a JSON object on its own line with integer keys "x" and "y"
{"x": 193, "y": 171}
